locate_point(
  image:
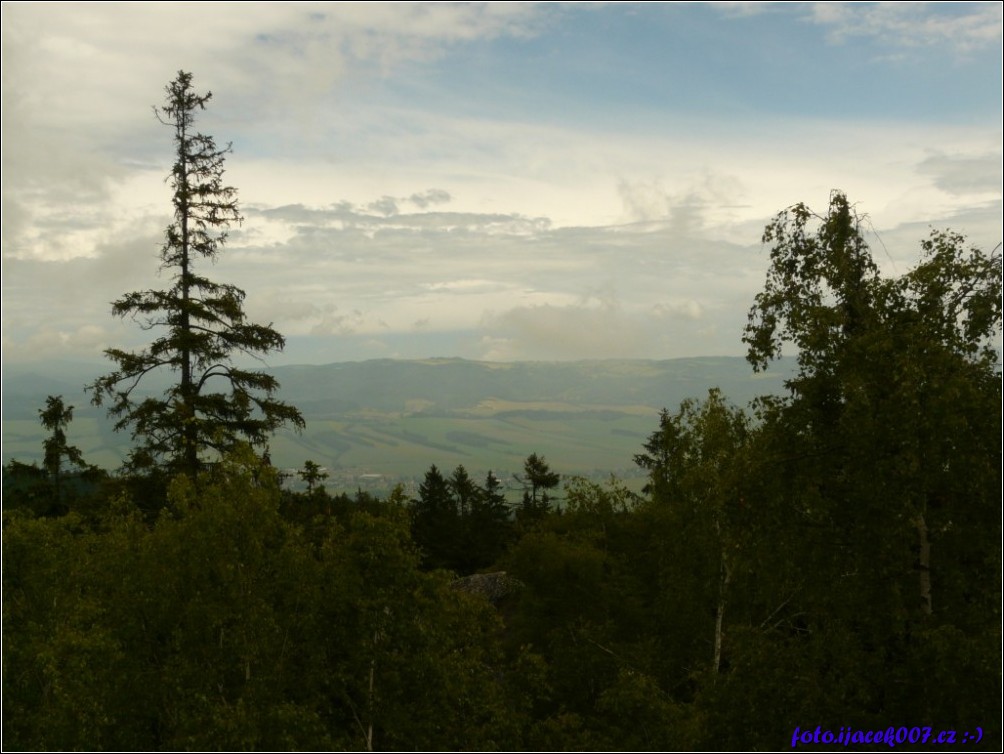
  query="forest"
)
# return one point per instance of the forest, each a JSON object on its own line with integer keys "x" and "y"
{"x": 816, "y": 569}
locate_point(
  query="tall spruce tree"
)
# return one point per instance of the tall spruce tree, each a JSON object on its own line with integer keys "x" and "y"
{"x": 213, "y": 404}
{"x": 537, "y": 479}
{"x": 56, "y": 417}
{"x": 435, "y": 521}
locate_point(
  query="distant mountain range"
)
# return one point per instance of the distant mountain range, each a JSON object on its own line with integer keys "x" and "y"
{"x": 373, "y": 422}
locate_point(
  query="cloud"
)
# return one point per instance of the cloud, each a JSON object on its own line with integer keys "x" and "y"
{"x": 705, "y": 199}
{"x": 78, "y": 85}
{"x": 961, "y": 27}
{"x": 598, "y": 326}
{"x": 445, "y": 268}
{"x": 394, "y": 167}
{"x": 383, "y": 215}
{"x": 385, "y": 205}
{"x": 559, "y": 332}
{"x": 470, "y": 286}
{"x": 644, "y": 201}
{"x": 685, "y": 309}
{"x": 430, "y": 197}
{"x": 333, "y": 323}
{"x": 48, "y": 342}
{"x": 962, "y": 175}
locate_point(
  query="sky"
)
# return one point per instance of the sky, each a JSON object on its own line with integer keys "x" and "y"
{"x": 487, "y": 181}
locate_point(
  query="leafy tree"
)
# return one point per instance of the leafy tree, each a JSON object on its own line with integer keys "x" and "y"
{"x": 696, "y": 469}
{"x": 875, "y": 483}
{"x": 222, "y": 627}
{"x": 457, "y": 524}
{"x": 25, "y": 486}
{"x": 659, "y": 459}
{"x": 581, "y": 609}
{"x": 898, "y": 392}
{"x": 204, "y": 322}
{"x": 469, "y": 500}
{"x": 56, "y": 417}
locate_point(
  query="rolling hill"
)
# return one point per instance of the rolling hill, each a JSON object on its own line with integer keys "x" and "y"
{"x": 373, "y": 423}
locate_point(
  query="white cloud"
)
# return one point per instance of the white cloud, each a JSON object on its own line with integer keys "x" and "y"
{"x": 78, "y": 84}
{"x": 475, "y": 285}
{"x": 959, "y": 26}
{"x": 370, "y": 210}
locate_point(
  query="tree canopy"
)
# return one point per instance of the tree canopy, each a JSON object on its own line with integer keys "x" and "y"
{"x": 896, "y": 406}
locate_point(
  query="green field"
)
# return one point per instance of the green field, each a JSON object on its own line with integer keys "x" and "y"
{"x": 372, "y": 424}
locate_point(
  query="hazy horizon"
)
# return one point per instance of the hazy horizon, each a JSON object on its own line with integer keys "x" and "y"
{"x": 396, "y": 417}
{"x": 285, "y": 359}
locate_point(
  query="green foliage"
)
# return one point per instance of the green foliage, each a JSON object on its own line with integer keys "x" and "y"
{"x": 457, "y": 524}
{"x": 819, "y": 286}
{"x": 52, "y": 489}
{"x": 582, "y": 611}
{"x": 204, "y": 321}
{"x": 26, "y": 487}
{"x": 223, "y": 627}
{"x": 689, "y": 456}
{"x": 896, "y": 408}
{"x": 312, "y": 474}
{"x": 636, "y": 714}
{"x": 489, "y": 527}
{"x": 436, "y": 521}
{"x": 699, "y": 508}
{"x": 875, "y": 486}
{"x": 537, "y": 479}
{"x": 55, "y": 417}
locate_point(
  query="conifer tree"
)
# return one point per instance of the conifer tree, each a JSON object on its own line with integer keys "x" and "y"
{"x": 56, "y": 417}
{"x": 537, "y": 479}
{"x": 436, "y": 522}
{"x": 213, "y": 404}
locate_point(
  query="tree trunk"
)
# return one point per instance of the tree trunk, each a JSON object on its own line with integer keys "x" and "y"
{"x": 723, "y": 586}
{"x": 369, "y": 730}
{"x": 924, "y": 564}
{"x": 189, "y": 432}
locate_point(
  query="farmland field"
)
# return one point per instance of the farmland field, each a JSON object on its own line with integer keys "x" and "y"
{"x": 373, "y": 424}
